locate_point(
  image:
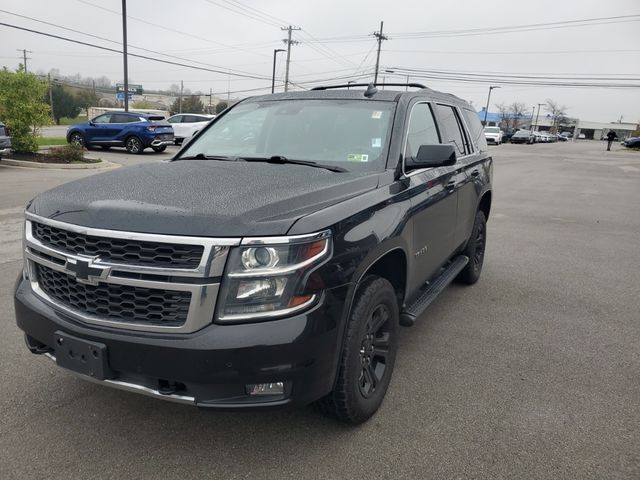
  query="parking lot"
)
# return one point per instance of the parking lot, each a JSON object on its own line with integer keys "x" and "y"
{"x": 531, "y": 373}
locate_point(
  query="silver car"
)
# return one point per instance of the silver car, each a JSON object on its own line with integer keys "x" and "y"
{"x": 5, "y": 140}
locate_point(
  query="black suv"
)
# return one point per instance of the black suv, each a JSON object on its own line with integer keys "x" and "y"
{"x": 272, "y": 260}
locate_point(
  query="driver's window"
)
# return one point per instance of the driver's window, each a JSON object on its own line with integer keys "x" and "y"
{"x": 422, "y": 130}
{"x": 102, "y": 118}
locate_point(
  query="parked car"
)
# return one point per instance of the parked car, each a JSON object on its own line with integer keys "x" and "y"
{"x": 566, "y": 135}
{"x": 493, "y": 135}
{"x": 507, "y": 134}
{"x": 581, "y": 136}
{"x": 523, "y": 136}
{"x": 134, "y": 131}
{"x": 562, "y": 138}
{"x": 265, "y": 268}
{"x": 632, "y": 142}
{"x": 5, "y": 140}
{"x": 186, "y": 125}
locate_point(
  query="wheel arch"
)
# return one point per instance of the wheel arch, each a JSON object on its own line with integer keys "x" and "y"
{"x": 484, "y": 205}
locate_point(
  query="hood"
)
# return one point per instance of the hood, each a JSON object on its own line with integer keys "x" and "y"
{"x": 200, "y": 197}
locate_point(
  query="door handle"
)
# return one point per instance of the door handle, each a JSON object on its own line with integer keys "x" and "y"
{"x": 451, "y": 186}
{"x": 475, "y": 173}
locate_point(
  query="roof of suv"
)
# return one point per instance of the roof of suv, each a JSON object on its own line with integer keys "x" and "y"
{"x": 358, "y": 94}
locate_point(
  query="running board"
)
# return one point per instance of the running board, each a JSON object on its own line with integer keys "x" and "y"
{"x": 412, "y": 312}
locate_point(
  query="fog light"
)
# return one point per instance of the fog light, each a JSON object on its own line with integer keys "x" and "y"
{"x": 276, "y": 388}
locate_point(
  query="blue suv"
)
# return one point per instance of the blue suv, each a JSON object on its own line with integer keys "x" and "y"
{"x": 134, "y": 131}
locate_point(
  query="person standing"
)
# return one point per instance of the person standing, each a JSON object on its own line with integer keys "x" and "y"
{"x": 611, "y": 136}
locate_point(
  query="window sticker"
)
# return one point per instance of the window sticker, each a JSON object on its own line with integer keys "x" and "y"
{"x": 357, "y": 157}
{"x": 376, "y": 142}
{"x": 377, "y": 114}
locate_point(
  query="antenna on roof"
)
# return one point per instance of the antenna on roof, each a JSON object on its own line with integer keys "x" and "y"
{"x": 370, "y": 91}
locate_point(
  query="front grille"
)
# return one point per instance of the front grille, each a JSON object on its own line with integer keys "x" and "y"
{"x": 118, "y": 303}
{"x": 116, "y": 250}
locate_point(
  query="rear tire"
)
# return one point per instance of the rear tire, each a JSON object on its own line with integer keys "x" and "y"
{"x": 368, "y": 354}
{"x": 134, "y": 145}
{"x": 162, "y": 148}
{"x": 475, "y": 251}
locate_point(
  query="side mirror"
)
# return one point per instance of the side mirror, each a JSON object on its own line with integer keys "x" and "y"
{"x": 91, "y": 122}
{"x": 430, "y": 156}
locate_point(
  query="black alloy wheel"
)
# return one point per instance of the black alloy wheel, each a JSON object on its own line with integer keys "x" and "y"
{"x": 475, "y": 249}
{"x": 374, "y": 351}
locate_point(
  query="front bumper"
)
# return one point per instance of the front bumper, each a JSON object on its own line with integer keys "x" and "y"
{"x": 211, "y": 367}
{"x": 494, "y": 140}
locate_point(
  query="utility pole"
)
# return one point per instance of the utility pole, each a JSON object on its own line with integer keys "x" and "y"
{"x": 94, "y": 88}
{"x": 288, "y": 42}
{"x": 24, "y": 57}
{"x": 539, "y": 105}
{"x": 228, "y": 88}
{"x": 51, "y": 96}
{"x": 181, "y": 89}
{"x": 380, "y": 38}
{"x": 484, "y": 124}
{"x": 273, "y": 76}
{"x": 210, "y": 97}
{"x": 124, "y": 54}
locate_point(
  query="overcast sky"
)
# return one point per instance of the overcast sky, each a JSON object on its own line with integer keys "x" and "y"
{"x": 334, "y": 43}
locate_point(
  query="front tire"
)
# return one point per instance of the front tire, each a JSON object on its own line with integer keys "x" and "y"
{"x": 368, "y": 354}
{"x": 475, "y": 251}
{"x": 134, "y": 145}
{"x": 77, "y": 139}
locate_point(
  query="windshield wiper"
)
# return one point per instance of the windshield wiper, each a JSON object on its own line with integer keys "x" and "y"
{"x": 283, "y": 160}
{"x": 202, "y": 156}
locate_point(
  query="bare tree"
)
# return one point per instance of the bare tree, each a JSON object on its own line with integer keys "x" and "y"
{"x": 504, "y": 115}
{"x": 517, "y": 112}
{"x": 558, "y": 113}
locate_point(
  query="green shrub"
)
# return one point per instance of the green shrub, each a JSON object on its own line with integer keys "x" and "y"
{"x": 22, "y": 107}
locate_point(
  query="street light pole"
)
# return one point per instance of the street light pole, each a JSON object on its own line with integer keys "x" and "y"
{"x": 124, "y": 53}
{"x": 273, "y": 76}
{"x": 487, "y": 109}
{"x": 540, "y": 104}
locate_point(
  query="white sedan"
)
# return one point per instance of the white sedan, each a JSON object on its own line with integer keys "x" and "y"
{"x": 493, "y": 135}
{"x": 186, "y": 125}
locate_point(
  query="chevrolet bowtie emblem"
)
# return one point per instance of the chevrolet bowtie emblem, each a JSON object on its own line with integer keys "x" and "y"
{"x": 85, "y": 271}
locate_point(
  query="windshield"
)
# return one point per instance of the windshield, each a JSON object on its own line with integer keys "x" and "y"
{"x": 522, "y": 133}
{"x": 352, "y": 134}
{"x": 492, "y": 129}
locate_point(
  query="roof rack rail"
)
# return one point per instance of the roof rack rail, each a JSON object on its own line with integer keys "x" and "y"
{"x": 349, "y": 85}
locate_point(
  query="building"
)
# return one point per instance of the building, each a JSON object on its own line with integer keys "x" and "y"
{"x": 591, "y": 130}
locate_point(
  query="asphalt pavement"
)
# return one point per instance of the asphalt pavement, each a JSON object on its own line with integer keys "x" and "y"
{"x": 531, "y": 373}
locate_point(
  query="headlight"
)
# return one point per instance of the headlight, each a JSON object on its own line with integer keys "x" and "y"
{"x": 267, "y": 278}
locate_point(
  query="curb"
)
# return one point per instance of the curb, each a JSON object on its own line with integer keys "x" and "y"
{"x": 62, "y": 166}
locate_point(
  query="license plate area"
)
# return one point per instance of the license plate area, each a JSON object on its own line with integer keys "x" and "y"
{"x": 82, "y": 356}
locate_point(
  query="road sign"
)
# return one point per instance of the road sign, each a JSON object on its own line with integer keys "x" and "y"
{"x": 134, "y": 89}
{"x": 120, "y": 96}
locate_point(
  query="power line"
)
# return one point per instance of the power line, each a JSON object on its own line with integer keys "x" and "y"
{"x": 145, "y": 57}
{"x": 165, "y": 28}
{"x": 114, "y": 41}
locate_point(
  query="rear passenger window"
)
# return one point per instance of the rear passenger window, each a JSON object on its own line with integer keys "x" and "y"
{"x": 475, "y": 129}
{"x": 422, "y": 130}
{"x": 119, "y": 118}
{"x": 452, "y": 129}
